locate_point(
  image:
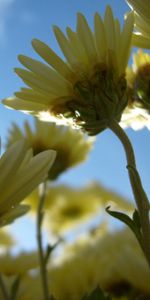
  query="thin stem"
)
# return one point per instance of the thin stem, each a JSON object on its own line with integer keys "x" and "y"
{"x": 140, "y": 196}
{"x": 40, "y": 215}
{"x": 4, "y": 288}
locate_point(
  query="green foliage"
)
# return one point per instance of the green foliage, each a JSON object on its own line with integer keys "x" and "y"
{"x": 15, "y": 287}
{"x": 97, "y": 294}
{"x": 133, "y": 223}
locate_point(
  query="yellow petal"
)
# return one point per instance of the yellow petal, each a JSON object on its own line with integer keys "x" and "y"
{"x": 100, "y": 37}
{"x": 33, "y": 96}
{"x": 109, "y": 28}
{"x": 78, "y": 47}
{"x": 86, "y": 37}
{"x": 140, "y": 41}
{"x": 27, "y": 179}
{"x": 52, "y": 58}
{"x": 126, "y": 37}
{"x": 142, "y": 7}
{"x": 26, "y": 106}
{"x": 46, "y": 73}
{"x": 16, "y": 154}
{"x": 41, "y": 84}
{"x": 65, "y": 46}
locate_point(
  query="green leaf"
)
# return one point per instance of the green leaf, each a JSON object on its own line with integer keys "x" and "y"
{"x": 134, "y": 223}
{"x": 97, "y": 294}
{"x": 51, "y": 297}
{"x": 15, "y": 287}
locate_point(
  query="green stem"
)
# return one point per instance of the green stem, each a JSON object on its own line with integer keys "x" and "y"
{"x": 140, "y": 196}
{"x": 4, "y": 288}
{"x": 40, "y": 214}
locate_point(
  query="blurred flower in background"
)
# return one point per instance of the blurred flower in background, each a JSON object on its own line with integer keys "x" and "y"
{"x": 6, "y": 240}
{"x": 141, "y": 37}
{"x": 137, "y": 113}
{"x": 11, "y": 265}
{"x": 113, "y": 261}
{"x": 72, "y": 146}
{"x": 67, "y": 208}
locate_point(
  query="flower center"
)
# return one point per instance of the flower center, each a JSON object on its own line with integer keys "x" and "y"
{"x": 142, "y": 86}
{"x": 98, "y": 99}
{"x": 62, "y": 161}
{"x": 72, "y": 212}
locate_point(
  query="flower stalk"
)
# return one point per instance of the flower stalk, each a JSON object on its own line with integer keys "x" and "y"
{"x": 140, "y": 196}
{"x": 40, "y": 214}
{"x": 4, "y": 288}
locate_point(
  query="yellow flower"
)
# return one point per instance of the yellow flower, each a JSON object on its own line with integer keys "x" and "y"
{"x": 67, "y": 207}
{"x": 17, "y": 265}
{"x": 6, "y": 239}
{"x": 137, "y": 113}
{"x": 20, "y": 174}
{"x": 141, "y": 37}
{"x": 113, "y": 261}
{"x": 30, "y": 287}
{"x": 87, "y": 89}
{"x": 72, "y": 146}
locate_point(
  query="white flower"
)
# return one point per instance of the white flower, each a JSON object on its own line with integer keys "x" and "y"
{"x": 20, "y": 174}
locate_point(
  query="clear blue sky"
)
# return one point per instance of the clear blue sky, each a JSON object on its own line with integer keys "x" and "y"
{"x": 23, "y": 20}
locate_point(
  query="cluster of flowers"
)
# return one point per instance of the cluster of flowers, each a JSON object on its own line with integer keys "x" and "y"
{"x": 88, "y": 90}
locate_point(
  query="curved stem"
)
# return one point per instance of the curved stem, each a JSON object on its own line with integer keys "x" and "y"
{"x": 4, "y": 288}
{"x": 42, "y": 260}
{"x": 140, "y": 196}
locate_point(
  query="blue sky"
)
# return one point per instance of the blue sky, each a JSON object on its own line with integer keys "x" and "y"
{"x": 23, "y": 20}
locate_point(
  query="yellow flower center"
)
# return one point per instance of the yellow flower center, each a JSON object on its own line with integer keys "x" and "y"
{"x": 72, "y": 212}
{"x": 62, "y": 161}
{"x": 142, "y": 85}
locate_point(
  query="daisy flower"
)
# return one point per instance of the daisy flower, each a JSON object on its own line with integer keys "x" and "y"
{"x": 20, "y": 175}
{"x": 137, "y": 113}
{"x": 141, "y": 37}
{"x": 113, "y": 261}
{"x": 20, "y": 264}
{"x": 67, "y": 208}
{"x": 87, "y": 88}
{"x": 72, "y": 146}
{"x": 6, "y": 240}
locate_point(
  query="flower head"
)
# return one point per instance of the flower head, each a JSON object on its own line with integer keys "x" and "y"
{"x": 7, "y": 241}
{"x": 20, "y": 175}
{"x": 137, "y": 113}
{"x": 87, "y": 89}
{"x": 15, "y": 265}
{"x": 72, "y": 146}
{"x": 67, "y": 208}
{"x": 141, "y": 37}
{"x": 113, "y": 261}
